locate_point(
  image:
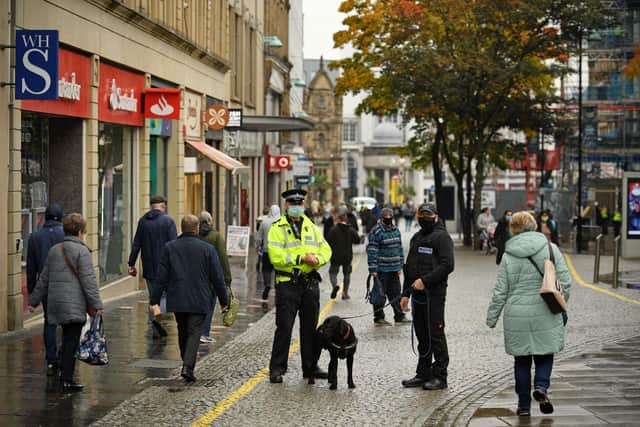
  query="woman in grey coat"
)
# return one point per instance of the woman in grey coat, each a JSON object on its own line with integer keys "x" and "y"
{"x": 531, "y": 331}
{"x": 69, "y": 284}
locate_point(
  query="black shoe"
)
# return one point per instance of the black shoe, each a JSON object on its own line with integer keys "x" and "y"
{"x": 187, "y": 374}
{"x": 334, "y": 292}
{"x": 319, "y": 373}
{"x": 265, "y": 293}
{"x": 414, "y": 382}
{"x": 275, "y": 379}
{"x": 158, "y": 330}
{"x": 52, "y": 369}
{"x": 70, "y": 386}
{"x": 345, "y": 295}
{"x": 434, "y": 384}
{"x": 523, "y": 412}
{"x": 545, "y": 404}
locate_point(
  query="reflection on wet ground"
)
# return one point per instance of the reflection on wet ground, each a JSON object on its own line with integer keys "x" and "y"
{"x": 29, "y": 398}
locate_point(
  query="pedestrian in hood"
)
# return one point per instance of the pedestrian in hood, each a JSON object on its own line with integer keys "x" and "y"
{"x": 501, "y": 234}
{"x": 155, "y": 229}
{"x": 214, "y": 238}
{"x": 38, "y": 247}
{"x": 262, "y": 248}
{"x": 531, "y": 331}
{"x": 341, "y": 238}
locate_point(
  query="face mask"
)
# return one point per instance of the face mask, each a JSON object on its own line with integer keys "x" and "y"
{"x": 427, "y": 223}
{"x": 545, "y": 218}
{"x": 387, "y": 221}
{"x": 508, "y": 218}
{"x": 295, "y": 211}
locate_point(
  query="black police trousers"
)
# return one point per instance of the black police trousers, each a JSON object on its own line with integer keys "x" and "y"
{"x": 428, "y": 322}
{"x": 292, "y": 299}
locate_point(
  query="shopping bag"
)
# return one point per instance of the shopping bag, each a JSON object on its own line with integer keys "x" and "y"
{"x": 229, "y": 315}
{"x": 93, "y": 345}
{"x": 375, "y": 295}
{"x": 551, "y": 291}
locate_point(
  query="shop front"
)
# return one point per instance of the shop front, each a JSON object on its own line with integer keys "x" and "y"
{"x": 53, "y": 142}
{"x": 120, "y": 128}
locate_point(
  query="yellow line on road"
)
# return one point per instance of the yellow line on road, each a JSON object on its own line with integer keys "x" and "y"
{"x": 579, "y": 280}
{"x": 245, "y": 388}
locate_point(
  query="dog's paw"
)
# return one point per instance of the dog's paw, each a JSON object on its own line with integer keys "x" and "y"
{"x": 333, "y": 386}
{"x": 352, "y": 385}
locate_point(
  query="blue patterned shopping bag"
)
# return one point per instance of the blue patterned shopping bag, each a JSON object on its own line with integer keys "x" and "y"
{"x": 93, "y": 345}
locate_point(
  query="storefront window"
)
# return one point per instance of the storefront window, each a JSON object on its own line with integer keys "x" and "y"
{"x": 193, "y": 187}
{"x": 158, "y": 165}
{"x": 115, "y": 188}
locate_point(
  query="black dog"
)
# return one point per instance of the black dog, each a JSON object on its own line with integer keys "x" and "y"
{"x": 337, "y": 336}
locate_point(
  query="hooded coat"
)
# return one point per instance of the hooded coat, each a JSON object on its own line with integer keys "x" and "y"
{"x": 155, "y": 229}
{"x": 263, "y": 232}
{"x": 41, "y": 241}
{"x": 530, "y": 328}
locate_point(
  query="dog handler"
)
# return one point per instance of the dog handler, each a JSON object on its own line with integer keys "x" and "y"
{"x": 429, "y": 263}
{"x": 297, "y": 249}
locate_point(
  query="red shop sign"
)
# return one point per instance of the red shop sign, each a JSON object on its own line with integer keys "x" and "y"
{"x": 119, "y": 96}
{"x": 279, "y": 162}
{"x": 73, "y": 88}
{"x": 162, "y": 103}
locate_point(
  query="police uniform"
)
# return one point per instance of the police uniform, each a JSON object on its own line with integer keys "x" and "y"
{"x": 431, "y": 259}
{"x": 296, "y": 287}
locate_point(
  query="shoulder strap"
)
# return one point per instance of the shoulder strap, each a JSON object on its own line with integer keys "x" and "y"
{"x": 66, "y": 261}
{"x": 551, "y": 257}
{"x": 535, "y": 265}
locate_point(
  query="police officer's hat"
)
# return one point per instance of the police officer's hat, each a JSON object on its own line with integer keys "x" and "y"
{"x": 428, "y": 208}
{"x": 294, "y": 195}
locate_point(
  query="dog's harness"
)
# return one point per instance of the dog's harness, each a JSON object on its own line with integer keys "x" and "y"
{"x": 343, "y": 350}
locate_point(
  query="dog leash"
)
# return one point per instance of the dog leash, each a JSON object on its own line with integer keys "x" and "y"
{"x": 376, "y": 310}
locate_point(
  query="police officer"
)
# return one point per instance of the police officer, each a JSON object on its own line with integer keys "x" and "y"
{"x": 297, "y": 249}
{"x": 429, "y": 263}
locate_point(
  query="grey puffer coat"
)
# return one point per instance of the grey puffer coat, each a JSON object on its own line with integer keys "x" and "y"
{"x": 67, "y": 297}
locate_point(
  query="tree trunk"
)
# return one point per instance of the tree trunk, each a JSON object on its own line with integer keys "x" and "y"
{"x": 477, "y": 194}
{"x": 467, "y": 225}
{"x": 436, "y": 164}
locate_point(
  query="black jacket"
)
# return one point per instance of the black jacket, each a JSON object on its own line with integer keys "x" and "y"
{"x": 155, "y": 229}
{"x": 38, "y": 247}
{"x": 191, "y": 274}
{"x": 341, "y": 238}
{"x": 431, "y": 259}
{"x": 501, "y": 235}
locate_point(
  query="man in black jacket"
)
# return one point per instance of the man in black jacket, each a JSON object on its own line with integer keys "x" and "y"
{"x": 155, "y": 229}
{"x": 341, "y": 238}
{"x": 429, "y": 263}
{"x": 38, "y": 247}
{"x": 191, "y": 275}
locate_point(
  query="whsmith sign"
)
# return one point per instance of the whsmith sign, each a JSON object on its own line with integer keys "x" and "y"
{"x": 36, "y": 64}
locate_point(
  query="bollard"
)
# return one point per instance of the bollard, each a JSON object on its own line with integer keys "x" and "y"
{"x": 616, "y": 260}
{"x": 596, "y": 266}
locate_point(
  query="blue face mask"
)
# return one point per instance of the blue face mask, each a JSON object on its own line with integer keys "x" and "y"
{"x": 295, "y": 211}
{"x": 508, "y": 218}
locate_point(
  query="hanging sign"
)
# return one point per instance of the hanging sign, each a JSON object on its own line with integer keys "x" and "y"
{"x": 36, "y": 64}
{"x": 193, "y": 116}
{"x": 279, "y": 162}
{"x": 162, "y": 103}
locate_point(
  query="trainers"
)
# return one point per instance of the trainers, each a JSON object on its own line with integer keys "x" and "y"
{"x": 207, "y": 340}
{"x": 545, "y": 404}
{"x": 404, "y": 321}
{"x": 381, "y": 322}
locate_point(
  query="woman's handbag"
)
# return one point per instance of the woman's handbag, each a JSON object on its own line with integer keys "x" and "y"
{"x": 550, "y": 291}
{"x": 229, "y": 315}
{"x": 375, "y": 295}
{"x": 93, "y": 345}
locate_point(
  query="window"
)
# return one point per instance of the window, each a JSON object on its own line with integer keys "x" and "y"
{"x": 236, "y": 56}
{"x": 321, "y": 102}
{"x": 349, "y": 131}
{"x": 251, "y": 66}
{"x": 321, "y": 146}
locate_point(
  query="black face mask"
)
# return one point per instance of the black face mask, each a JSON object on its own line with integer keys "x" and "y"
{"x": 387, "y": 221}
{"x": 427, "y": 223}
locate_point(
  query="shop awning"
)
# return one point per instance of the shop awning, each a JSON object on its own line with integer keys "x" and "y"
{"x": 274, "y": 124}
{"x": 218, "y": 157}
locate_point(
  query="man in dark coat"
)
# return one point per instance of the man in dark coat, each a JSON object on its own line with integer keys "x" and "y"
{"x": 501, "y": 234}
{"x": 191, "y": 274}
{"x": 38, "y": 247}
{"x": 341, "y": 238}
{"x": 155, "y": 229}
{"x": 429, "y": 263}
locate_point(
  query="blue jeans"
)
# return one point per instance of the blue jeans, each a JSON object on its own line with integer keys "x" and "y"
{"x": 206, "y": 323}
{"x": 542, "y": 378}
{"x": 49, "y": 336}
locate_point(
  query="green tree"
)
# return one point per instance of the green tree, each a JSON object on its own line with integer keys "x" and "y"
{"x": 320, "y": 185}
{"x": 373, "y": 183}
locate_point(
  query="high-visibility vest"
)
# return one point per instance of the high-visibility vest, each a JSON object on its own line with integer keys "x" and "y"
{"x": 286, "y": 251}
{"x": 617, "y": 216}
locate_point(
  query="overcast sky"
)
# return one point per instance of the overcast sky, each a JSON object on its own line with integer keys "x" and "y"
{"x": 321, "y": 20}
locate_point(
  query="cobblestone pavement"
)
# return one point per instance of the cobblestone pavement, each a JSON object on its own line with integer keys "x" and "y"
{"x": 232, "y": 390}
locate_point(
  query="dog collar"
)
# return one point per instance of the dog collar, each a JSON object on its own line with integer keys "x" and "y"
{"x": 348, "y": 333}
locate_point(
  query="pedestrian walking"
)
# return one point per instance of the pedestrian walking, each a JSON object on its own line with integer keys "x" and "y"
{"x": 68, "y": 284}
{"x": 38, "y": 247}
{"x": 602, "y": 218}
{"x": 155, "y": 229}
{"x": 531, "y": 331}
{"x": 501, "y": 234}
{"x": 616, "y": 220}
{"x": 191, "y": 275}
{"x": 386, "y": 258}
{"x": 214, "y": 238}
{"x": 297, "y": 250}
{"x": 341, "y": 238}
{"x": 548, "y": 226}
{"x": 483, "y": 222}
{"x": 429, "y": 263}
{"x": 265, "y": 214}
{"x": 408, "y": 212}
{"x": 262, "y": 246}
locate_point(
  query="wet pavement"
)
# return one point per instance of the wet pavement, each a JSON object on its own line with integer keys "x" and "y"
{"x": 142, "y": 385}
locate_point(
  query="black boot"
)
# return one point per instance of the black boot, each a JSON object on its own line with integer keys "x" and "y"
{"x": 187, "y": 374}
{"x": 435, "y": 384}
{"x": 414, "y": 382}
{"x": 265, "y": 292}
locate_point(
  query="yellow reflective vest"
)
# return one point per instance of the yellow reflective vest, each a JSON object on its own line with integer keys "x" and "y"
{"x": 286, "y": 252}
